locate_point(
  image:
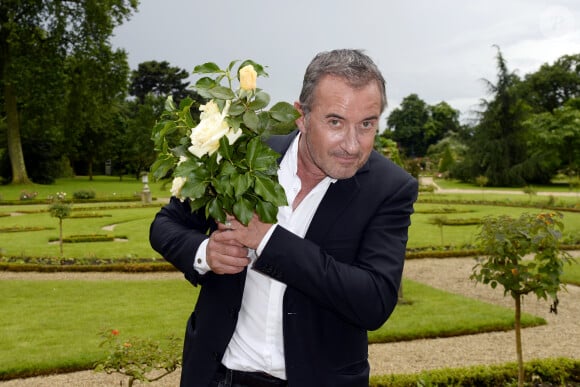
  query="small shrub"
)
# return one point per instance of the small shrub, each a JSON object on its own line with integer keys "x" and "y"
{"x": 60, "y": 209}
{"x": 138, "y": 358}
{"x": 26, "y": 195}
{"x": 84, "y": 194}
{"x": 506, "y": 244}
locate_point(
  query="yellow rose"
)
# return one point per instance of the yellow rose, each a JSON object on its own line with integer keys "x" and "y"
{"x": 205, "y": 137}
{"x": 248, "y": 78}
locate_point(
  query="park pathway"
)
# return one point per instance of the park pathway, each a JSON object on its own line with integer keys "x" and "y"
{"x": 559, "y": 338}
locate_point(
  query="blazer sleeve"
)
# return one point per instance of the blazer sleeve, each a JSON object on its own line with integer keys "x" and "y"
{"x": 351, "y": 260}
{"x": 176, "y": 233}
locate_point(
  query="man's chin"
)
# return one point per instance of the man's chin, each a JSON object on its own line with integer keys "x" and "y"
{"x": 343, "y": 174}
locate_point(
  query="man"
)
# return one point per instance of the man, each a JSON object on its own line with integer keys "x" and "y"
{"x": 329, "y": 270}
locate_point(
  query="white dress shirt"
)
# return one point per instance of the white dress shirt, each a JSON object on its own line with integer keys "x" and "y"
{"x": 258, "y": 341}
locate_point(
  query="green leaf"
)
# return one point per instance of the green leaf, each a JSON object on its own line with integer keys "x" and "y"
{"x": 186, "y": 117}
{"x": 243, "y": 210}
{"x": 186, "y": 102}
{"x": 197, "y": 178}
{"x": 162, "y": 166}
{"x": 223, "y": 186}
{"x": 251, "y": 120}
{"x": 207, "y": 68}
{"x": 252, "y": 151}
{"x": 215, "y": 210}
{"x": 205, "y": 83}
{"x": 221, "y": 92}
{"x": 196, "y": 204}
{"x": 194, "y": 189}
{"x": 236, "y": 108}
{"x": 284, "y": 112}
{"x": 265, "y": 159}
{"x": 268, "y": 190}
{"x": 234, "y": 122}
{"x": 262, "y": 99}
{"x": 267, "y": 212}
{"x": 225, "y": 149}
{"x": 169, "y": 104}
{"x": 240, "y": 183}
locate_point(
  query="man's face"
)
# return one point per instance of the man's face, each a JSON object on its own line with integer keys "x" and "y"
{"x": 338, "y": 134}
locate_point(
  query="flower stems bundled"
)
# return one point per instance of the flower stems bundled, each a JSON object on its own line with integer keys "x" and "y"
{"x": 221, "y": 163}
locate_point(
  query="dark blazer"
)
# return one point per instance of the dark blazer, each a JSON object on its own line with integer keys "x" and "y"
{"x": 342, "y": 278}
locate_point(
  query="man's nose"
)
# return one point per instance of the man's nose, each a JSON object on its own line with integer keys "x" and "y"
{"x": 350, "y": 141}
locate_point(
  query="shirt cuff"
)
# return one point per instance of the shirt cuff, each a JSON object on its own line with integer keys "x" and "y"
{"x": 200, "y": 263}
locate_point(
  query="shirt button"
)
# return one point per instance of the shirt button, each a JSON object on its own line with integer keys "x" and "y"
{"x": 199, "y": 261}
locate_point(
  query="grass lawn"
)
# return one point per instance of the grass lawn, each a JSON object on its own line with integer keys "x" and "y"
{"x": 130, "y": 223}
{"x": 103, "y": 187}
{"x": 54, "y": 325}
{"x": 572, "y": 273}
{"x": 448, "y": 315}
{"x": 424, "y": 234}
{"x": 48, "y": 326}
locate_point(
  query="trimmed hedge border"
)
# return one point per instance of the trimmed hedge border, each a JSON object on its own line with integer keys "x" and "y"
{"x": 55, "y": 264}
{"x": 498, "y": 203}
{"x": 542, "y": 372}
{"x": 76, "y": 268}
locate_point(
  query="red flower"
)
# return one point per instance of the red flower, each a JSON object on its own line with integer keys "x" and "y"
{"x": 114, "y": 332}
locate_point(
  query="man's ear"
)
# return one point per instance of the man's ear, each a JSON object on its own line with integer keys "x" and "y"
{"x": 300, "y": 120}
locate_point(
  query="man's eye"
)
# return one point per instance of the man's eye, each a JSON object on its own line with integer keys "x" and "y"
{"x": 334, "y": 123}
{"x": 367, "y": 125}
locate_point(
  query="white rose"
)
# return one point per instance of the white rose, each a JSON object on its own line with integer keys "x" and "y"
{"x": 177, "y": 185}
{"x": 205, "y": 137}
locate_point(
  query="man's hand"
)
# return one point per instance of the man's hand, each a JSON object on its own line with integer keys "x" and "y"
{"x": 224, "y": 254}
{"x": 250, "y": 235}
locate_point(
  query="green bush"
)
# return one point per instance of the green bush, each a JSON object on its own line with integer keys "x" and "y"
{"x": 87, "y": 238}
{"x": 84, "y": 194}
{"x": 558, "y": 372}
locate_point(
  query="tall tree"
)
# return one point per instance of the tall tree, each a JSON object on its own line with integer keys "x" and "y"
{"x": 97, "y": 88}
{"x": 552, "y": 85}
{"x": 56, "y": 29}
{"x": 498, "y": 147}
{"x": 416, "y": 125}
{"x": 407, "y": 124}
{"x": 159, "y": 79}
{"x": 554, "y": 142}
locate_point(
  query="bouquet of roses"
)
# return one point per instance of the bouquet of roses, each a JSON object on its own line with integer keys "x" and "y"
{"x": 220, "y": 162}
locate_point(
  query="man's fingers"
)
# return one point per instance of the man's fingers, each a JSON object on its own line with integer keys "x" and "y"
{"x": 225, "y": 255}
{"x": 227, "y": 265}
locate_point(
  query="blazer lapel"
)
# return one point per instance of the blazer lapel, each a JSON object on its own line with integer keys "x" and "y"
{"x": 336, "y": 199}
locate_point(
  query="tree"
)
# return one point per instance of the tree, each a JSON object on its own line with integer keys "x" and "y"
{"x": 133, "y": 152}
{"x": 59, "y": 208}
{"x": 388, "y": 148}
{"x": 97, "y": 89}
{"x": 552, "y": 85}
{"x": 498, "y": 147}
{"x": 416, "y": 125}
{"x": 34, "y": 32}
{"x": 159, "y": 79}
{"x": 407, "y": 125}
{"x": 504, "y": 242}
{"x": 448, "y": 151}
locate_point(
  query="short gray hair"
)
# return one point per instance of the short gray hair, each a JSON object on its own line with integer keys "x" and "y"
{"x": 357, "y": 68}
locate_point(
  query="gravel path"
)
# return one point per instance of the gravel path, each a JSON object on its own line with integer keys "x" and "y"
{"x": 559, "y": 338}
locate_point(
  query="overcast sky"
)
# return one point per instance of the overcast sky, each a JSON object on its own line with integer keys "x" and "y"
{"x": 440, "y": 50}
